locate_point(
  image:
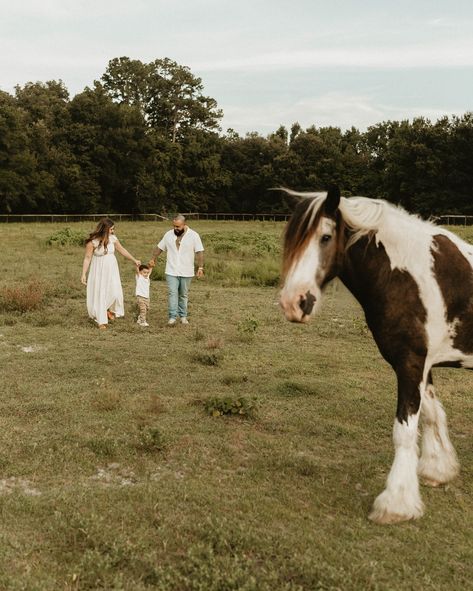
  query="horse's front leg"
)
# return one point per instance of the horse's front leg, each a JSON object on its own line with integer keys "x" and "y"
{"x": 401, "y": 499}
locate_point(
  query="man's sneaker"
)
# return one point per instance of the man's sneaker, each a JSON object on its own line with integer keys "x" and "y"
{"x": 142, "y": 322}
{"x": 171, "y": 322}
{"x": 184, "y": 320}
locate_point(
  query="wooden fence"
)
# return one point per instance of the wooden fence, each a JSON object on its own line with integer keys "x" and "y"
{"x": 143, "y": 217}
{"x": 443, "y": 220}
{"x": 454, "y": 220}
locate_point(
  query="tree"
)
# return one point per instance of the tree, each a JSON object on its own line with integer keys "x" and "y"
{"x": 112, "y": 147}
{"x": 168, "y": 94}
{"x": 17, "y": 163}
{"x": 45, "y": 106}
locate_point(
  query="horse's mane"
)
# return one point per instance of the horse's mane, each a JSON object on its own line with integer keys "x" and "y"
{"x": 361, "y": 215}
{"x": 402, "y": 232}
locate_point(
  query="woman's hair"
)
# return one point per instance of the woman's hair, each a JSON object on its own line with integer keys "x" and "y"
{"x": 101, "y": 232}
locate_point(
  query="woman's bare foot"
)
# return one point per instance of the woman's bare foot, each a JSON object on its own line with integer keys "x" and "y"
{"x": 110, "y": 315}
{"x": 102, "y": 326}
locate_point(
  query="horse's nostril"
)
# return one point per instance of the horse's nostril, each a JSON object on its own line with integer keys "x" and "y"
{"x": 306, "y": 303}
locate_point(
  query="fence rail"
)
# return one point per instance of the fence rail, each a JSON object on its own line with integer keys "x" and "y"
{"x": 444, "y": 220}
{"x": 454, "y": 220}
{"x": 144, "y": 217}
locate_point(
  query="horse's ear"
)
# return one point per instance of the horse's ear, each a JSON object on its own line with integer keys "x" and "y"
{"x": 333, "y": 200}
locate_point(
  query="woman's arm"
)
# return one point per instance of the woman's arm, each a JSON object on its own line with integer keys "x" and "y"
{"x": 89, "y": 251}
{"x": 125, "y": 253}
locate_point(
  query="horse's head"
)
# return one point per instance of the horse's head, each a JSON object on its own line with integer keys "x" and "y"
{"x": 312, "y": 247}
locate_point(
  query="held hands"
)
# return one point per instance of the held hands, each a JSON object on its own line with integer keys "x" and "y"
{"x": 151, "y": 263}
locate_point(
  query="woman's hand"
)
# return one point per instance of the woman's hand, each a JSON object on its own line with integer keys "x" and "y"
{"x": 83, "y": 280}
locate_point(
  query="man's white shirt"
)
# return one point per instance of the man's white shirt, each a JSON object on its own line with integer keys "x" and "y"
{"x": 180, "y": 261}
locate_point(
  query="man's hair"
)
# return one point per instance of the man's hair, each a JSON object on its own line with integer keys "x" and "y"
{"x": 141, "y": 267}
{"x": 179, "y": 218}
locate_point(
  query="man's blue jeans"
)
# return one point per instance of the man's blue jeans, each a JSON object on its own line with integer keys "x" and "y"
{"x": 178, "y": 290}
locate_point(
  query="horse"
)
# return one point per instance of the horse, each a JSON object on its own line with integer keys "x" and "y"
{"x": 414, "y": 281}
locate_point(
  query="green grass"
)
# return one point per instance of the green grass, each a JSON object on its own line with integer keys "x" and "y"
{"x": 114, "y": 476}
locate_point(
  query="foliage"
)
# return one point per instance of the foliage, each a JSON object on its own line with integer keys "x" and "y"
{"x": 22, "y": 298}
{"x": 66, "y": 237}
{"x": 248, "y": 326}
{"x": 230, "y": 405}
{"x": 210, "y": 359}
{"x": 145, "y": 138}
{"x": 151, "y": 439}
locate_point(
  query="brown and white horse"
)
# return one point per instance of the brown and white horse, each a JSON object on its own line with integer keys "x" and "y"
{"x": 414, "y": 281}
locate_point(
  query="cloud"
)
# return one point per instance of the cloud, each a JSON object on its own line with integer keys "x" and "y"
{"x": 335, "y": 109}
{"x": 453, "y": 54}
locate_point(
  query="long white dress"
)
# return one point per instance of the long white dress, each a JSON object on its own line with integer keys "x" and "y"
{"x": 104, "y": 288}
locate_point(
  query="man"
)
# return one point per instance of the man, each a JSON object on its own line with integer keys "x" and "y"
{"x": 181, "y": 245}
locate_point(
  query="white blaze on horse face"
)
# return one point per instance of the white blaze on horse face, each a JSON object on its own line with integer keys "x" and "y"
{"x": 308, "y": 272}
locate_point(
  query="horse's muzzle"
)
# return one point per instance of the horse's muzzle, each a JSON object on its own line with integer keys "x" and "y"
{"x": 306, "y": 303}
{"x": 299, "y": 308}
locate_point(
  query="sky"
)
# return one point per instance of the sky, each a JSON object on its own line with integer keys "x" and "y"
{"x": 266, "y": 62}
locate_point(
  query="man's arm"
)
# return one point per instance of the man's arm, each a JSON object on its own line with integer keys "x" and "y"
{"x": 156, "y": 252}
{"x": 200, "y": 263}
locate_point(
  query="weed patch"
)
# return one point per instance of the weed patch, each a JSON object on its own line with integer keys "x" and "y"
{"x": 150, "y": 440}
{"x": 208, "y": 359}
{"x": 247, "y": 328}
{"x": 230, "y": 405}
{"x": 66, "y": 237}
{"x": 22, "y": 298}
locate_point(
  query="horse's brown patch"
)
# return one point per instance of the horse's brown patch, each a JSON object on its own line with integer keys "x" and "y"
{"x": 394, "y": 313}
{"x": 454, "y": 276}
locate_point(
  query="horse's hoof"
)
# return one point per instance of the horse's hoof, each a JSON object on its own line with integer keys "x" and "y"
{"x": 388, "y": 509}
{"x": 431, "y": 482}
{"x": 386, "y": 518}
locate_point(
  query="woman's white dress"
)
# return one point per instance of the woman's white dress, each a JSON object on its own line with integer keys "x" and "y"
{"x": 104, "y": 288}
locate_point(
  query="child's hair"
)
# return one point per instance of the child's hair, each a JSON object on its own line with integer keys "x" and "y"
{"x": 141, "y": 267}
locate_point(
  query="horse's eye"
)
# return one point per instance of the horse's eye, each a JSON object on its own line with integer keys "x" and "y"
{"x": 325, "y": 238}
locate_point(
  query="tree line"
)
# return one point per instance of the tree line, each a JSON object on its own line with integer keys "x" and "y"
{"x": 145, "y": 139}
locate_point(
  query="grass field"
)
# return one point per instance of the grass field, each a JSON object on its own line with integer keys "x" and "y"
{"x": 117, "y": 470}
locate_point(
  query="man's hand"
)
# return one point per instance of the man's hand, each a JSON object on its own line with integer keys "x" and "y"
{"x": 200, "y": 272}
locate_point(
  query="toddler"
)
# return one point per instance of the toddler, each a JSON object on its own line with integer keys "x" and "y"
{"x": 142, "y": 293}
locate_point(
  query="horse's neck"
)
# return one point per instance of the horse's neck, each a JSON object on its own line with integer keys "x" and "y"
{"x": 365, "y": 270}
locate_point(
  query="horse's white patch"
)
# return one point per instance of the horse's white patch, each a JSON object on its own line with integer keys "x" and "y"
{"x": 302, "y": 277}
{"x": 401, "y": 498}
{"x": 408, "y": 242}
{"x": 438, "y": 463}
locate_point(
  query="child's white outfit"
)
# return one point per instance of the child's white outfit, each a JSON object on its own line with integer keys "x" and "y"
{"x": 104, "y": 289}
{"x": 142, "y": 298}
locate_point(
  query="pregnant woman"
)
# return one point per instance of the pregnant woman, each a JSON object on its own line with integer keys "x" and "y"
{"x": 104, "y": 288}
